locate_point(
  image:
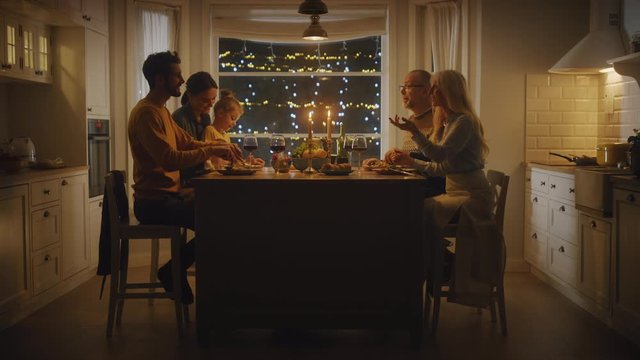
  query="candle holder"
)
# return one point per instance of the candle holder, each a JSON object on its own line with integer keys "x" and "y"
{"x": 309, "y": 170}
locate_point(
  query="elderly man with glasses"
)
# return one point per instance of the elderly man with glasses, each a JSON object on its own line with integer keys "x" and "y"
{"x": 415, "y": 96}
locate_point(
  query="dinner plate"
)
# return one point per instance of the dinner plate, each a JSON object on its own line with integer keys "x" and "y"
{"x": 337, "y": 172}
{"x": 236, "y": 171}
{"x": 395, "y": 171}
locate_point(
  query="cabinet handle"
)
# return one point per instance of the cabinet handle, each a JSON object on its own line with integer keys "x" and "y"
{"x": 46, "y": 191}
{"x": 572, "y": 190}
{"x": 534, "y": 236}
{"x": 100, "y": 204}
{"x": 562, "y": 208}
{"x": 535, "y": 199}
{"x": 631, "y": 198}
{"x": 89, "y": 109}
{"x": 46, "y": 213}
{"x": 561, "y": 249}
{"x": 47, "y": 258}
{"x": 553, "y": 186}
{"x": 593, "y": 224}
{"x": 64, "y": 182}
{"x": 543, "y": 183}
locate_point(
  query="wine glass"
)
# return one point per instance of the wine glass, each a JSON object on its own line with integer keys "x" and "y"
{"x": 347, "y": 146}
{"x": 359, "y": 144}
{"x": 250, "y": 144}
{"x": 277, "y": 145}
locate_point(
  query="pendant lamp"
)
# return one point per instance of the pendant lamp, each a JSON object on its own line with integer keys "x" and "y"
{"x": 314, "y": 8}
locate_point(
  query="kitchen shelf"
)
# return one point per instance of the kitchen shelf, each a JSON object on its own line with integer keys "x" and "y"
{"x": 628, "y": 65}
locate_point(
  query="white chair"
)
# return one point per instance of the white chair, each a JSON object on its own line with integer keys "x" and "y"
{"x": 121, "y": 233}
{"x": 437, "y": 287}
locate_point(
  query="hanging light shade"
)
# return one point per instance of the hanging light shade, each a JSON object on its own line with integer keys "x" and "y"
{"x": 315, "y": 32}
{"x": 312, "y": 7}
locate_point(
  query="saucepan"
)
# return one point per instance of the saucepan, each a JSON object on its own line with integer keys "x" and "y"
{"x": 578, "y": 160}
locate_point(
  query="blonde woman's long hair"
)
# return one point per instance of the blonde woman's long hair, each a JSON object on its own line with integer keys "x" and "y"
{"x": 453, "y": 87}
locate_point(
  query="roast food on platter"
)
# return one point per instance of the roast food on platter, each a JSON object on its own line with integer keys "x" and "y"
{"x": 315, "y": 151}
{"x": 333, "y": 167}
{"x": 373, "y": 163}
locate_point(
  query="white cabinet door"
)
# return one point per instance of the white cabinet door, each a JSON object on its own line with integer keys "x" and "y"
{"x": 97, "y": 73}
{"x": 563, "y": 260}
{"x": 95, "y": 221}
{"x": 535, "y": 247}
{"x": 563, "y": 221}
{"x": 74, "y": 192}
{"x": 536, "y": 210}
{"x": 11, "y": 46}
{"x": 14, "y": 217}
{"x": 594, "y": 269}
{"x": 92, "y": 14}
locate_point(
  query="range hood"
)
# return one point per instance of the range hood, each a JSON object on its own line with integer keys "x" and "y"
{"x": 590, "y": 55}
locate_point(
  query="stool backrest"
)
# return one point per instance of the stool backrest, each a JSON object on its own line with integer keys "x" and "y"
{"x": 117, "y": 201}
{"x": 499, "y": 183}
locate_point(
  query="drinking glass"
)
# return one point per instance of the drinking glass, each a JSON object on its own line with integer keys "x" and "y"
{"x": 346, "y": 145}
{"x": 277, "y": 145}
{"x": 250, "y": 144}
{"x": 359, "y": 144}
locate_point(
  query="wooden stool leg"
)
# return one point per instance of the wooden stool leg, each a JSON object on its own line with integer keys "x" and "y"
{"x": 113, "y": 290}
{"x": 124, "y": 271}
{"x": 502, "y": 308}
{"x": 176, "y": 272}
{"x": 153, "y": 269}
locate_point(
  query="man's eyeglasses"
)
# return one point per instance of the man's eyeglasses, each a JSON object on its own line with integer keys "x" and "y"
{"x": 405, "y": 87}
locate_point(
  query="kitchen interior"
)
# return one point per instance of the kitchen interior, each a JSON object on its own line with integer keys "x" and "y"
{"x": 570, "y": 223}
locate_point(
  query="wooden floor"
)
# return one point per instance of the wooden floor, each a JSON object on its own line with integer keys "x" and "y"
{"x": 542, "y": 325}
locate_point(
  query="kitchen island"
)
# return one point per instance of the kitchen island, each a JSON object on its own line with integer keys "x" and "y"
{"x": 309, "y": 251}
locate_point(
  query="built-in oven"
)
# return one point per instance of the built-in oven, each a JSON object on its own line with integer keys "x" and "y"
{"x": 99, "y": 155}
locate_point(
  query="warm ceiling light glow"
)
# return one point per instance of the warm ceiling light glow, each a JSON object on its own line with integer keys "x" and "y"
{"x": 315, "y": 32}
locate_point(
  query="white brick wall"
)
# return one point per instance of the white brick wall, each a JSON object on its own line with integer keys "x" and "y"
{"x": 574, "y": 113}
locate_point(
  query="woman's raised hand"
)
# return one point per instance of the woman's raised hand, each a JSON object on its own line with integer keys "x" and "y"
{"x": 404, "y": 124}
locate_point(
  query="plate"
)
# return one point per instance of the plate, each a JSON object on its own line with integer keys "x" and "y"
{"x": 395, "y": 171}
{"x": 236, "y": 171}
{"x": 337, "y": 172}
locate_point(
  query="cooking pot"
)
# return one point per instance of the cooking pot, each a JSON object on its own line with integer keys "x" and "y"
{"x": 578, "y": 160}
{"x": 23, "y": 148}
{"x": 611, "y": 154}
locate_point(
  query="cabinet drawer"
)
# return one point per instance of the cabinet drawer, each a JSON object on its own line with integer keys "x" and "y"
{"x": 45, "y": 227}
{"x": 563, "y": 260}
{"x": 45, "y": 269}
{"x": 539, "y": 182}
{"x": 563, "y": 188}
{"x": 536, "y": 210}
{"x": 44, "y": 191}
{"x": 563, "y": 221}
{"x": 535, "y": 247}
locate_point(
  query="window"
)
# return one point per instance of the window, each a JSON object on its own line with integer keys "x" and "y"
{"x": 280, "y": 83}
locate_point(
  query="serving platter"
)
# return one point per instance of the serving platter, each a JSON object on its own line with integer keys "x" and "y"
{"x": 236, "y": 171}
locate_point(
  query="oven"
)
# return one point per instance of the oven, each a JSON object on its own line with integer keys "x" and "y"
{"x": 99, "y": 155}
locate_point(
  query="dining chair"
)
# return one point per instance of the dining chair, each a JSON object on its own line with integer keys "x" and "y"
{"x": 122, "y": 231}
{"x": 438, "y": 286}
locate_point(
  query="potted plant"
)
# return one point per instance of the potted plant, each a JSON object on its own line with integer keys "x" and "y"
{"x": 633, "y": 155}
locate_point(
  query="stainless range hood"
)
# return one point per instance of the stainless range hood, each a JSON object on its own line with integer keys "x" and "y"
{"x": 590, "y": 55}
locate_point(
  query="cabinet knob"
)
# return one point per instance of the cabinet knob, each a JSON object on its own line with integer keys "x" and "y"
{"x": 528, "y": 179}
{"x": 543, "y": 183}
{"x": 593, "y": 224}
{"x": 572, "y": 190}
{"x": 64, "y": 182}
{"x": 46, "y": 213}
{"x": 535, "y": 199}
{"x": 562, "y": 208}
{"x": 46, "y": 191}
{"x": 534, "y": 236}
{"x": 561, "y": 249}
{"x": 89, "y": 109}
{"x": 631, "y": 198}
{"x": 100, "y": 204}
{"x": 553, "y": 186}
{"x": 47, "y": 257}
{"x": 7, "y": 66}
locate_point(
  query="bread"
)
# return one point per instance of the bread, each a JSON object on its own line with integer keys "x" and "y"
{"x": 373, "y": 163}
{"x": 334, "y": 167}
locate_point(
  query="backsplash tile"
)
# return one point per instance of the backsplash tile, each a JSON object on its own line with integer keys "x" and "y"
{"x": 574, "y": 113}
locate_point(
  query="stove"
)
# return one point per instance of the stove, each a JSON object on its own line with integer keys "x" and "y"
{"x": 594, "y": 190}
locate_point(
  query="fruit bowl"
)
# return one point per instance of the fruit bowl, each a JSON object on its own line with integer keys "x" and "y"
{"x": 302, "y": 163}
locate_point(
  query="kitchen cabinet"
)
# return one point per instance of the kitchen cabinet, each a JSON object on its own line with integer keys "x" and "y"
{"x": 14, "y": 246}
{"x": 626, "y": 295}
{"x": 95, "y": 222}
{"x": 74, "y": 192}
{"x": 97, "y": 74}
{"x": 26, "y": 49}
{"x": 594, "y": 260}
{"x": 92, "y": 14}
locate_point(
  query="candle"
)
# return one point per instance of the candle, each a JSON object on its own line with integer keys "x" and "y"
{"x": 329, "y": 125}
{"x": 309, "y": 125}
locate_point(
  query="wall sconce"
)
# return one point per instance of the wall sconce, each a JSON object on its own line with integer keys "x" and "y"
{"x": 314, "y": 8}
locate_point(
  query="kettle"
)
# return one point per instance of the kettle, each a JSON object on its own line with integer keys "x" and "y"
{"x": 23, "y": 148}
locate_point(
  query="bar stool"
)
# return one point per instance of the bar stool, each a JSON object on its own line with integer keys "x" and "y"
{"x": 121, "y": 233}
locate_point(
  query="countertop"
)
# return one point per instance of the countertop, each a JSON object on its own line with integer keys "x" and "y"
{"x": 30, "y": 175}
{"x": 561, "y": 168}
